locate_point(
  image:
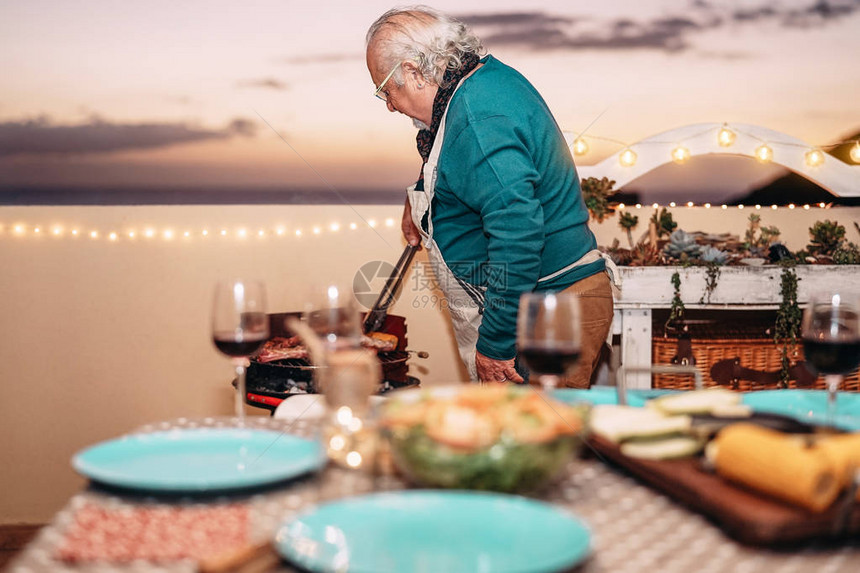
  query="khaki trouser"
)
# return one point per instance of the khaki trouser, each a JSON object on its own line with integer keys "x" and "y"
{"x": 595, "y": 297}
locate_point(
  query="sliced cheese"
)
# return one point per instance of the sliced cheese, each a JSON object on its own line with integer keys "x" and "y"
{"x": 667, "y": 448}
{"x": 618, "y": 423}
{"x": 696, "y": 401}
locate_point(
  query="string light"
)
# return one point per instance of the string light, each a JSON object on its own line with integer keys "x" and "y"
{"x": 773, "y": 207}
{"x": 763, "y": 153}
{"x": 791, "y": 205}
{"x": 131, "y": 234}
{"x": 672, "y": 204}
{"x": 680, "y": 155}
{"x": 205, "y": 232}
{"x": 298, "y": 232}
{"x": 806, "y": 207}
{"x": 854, "y": 154}
{"x": 638, "y": 205}
{"x": 580, "y": 146}
{"x": 726, "y": 137}
{"x": 280, "y": 231}
{"x": 149, "y": 233}
{"x": 353, "y": 226}
{"x": 223, "y": 232}
{"x": 112, "y": 236}
{"x": 628, "y": 158}
{"x": 758, "y": 206}
{"x": 94, "y": 234}
{"x": 37, "y": 230}
{"x": 389, "y": 222}
{"x": 335, "y": 227}
{"x": 707, "y": 205}
{"x": 186, "y": 234}
{"x": 371, "y": 223}
{"x": 655, "y": 206}
{"x": 621, "y": 205}
{"x": 242, "y": 233}
{"x": 725, "y": 206}
{"x": 75, "y": 232}
{"x": 168, "y": 235}
{"x": 19, "y": 229}
{"x": 740, "y": 206}
{"x": 814, "y": 157}
{"x": 261, "y": 233}
{"x": 57, "y": 231}
{"x": 317, "y": 231}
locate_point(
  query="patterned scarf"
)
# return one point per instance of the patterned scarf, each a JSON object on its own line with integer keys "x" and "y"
{"x": 450, "y": 80}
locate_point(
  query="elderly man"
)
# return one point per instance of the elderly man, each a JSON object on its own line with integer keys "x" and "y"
{"x": 497, "y": 203}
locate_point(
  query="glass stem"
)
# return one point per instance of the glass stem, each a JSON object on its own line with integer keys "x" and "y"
{"x": 833, "y": 382}
{"x": 549, "y": 381}
{"x": 240, "y": 389}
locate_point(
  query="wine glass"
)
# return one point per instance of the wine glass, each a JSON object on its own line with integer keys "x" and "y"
{"x": 831, "y": 339}
{"x": 240, "y": 327}
{"x": 549, "y": 329}
{"x": 347, "y": 375}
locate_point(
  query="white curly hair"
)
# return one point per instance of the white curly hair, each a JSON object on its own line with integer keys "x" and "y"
{"x": 433, "y": 40}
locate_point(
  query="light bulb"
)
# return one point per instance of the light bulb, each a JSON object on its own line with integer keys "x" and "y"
{"x": 680, "y": 154}
{"x": 580, "y": 146}
{"x": 854, "y": 154}
{"x": 672, "y": 204}
{"x": 726, "y": 136}
{"x": 689, "y": 203}
{"x": 814, "y": 157}
{"x": 763, "y": 153}
{"x": 112, "y": 236}
{"x": 621, "y": 205}
{"x": 628, "y": 158}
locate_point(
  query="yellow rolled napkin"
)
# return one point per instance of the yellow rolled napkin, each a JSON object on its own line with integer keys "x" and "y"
{"x": 787, "y": 467}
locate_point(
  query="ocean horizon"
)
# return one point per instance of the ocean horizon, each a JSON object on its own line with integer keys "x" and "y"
{"x": 197, "y": 195}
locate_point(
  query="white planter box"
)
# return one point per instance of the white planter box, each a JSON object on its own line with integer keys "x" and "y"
{"x": 746, "y": 288}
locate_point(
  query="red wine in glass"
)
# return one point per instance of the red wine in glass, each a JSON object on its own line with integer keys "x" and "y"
{"x": 548, "y": 334}
{"x": 240, "y": 327}
{"x": 551, "y": 359}
{"x": 831, "y": 339}
{"x": 832, "y": 357}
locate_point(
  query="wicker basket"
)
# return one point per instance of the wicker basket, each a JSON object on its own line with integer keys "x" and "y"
{"x": 755, "y": 353}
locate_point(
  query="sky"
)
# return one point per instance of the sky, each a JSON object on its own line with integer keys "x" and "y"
{"x": 276, "y": 94}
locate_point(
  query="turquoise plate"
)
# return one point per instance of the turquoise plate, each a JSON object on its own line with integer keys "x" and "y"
{"x": 808, "y": 406}
{"x": 606, "y": 395}
{"x": 199, "y": 460}
{"x": 438, "y": 531}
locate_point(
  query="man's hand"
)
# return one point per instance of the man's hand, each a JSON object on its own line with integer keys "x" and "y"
{"x": 407, "y": 225}
{"x": 490, "y": 370}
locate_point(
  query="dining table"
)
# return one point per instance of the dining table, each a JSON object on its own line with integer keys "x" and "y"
{"x": 633, "y": 528}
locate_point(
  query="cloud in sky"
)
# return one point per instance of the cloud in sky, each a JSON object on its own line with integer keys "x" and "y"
{"x": 41, "y": 136}
{"x": 543, "y": 31}
{"x": 265, "y": 83}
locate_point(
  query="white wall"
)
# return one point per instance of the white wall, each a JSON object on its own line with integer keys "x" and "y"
{"x": 100, "y": 336}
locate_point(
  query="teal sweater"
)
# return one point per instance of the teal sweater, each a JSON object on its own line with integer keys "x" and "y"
{"x": 507, "y": 208}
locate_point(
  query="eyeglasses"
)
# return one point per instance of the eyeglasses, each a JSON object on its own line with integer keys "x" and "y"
{"x": 381, "y": 94}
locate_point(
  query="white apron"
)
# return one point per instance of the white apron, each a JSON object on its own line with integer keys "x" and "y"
{"x": 465, "y": 301}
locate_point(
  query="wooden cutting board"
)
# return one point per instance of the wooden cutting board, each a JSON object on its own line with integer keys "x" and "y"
{"x": 748, "y": 516}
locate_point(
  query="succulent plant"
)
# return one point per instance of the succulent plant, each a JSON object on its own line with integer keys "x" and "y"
{"x": 713, "y": 255}
{"x": 847, "y": 254}
{"x": 628, "y": 222}
{"x": 664, "y": 222}
{"x": 596, "y": 194}
{"x": 826, "y": 237}
{"x": 682, "y": 245}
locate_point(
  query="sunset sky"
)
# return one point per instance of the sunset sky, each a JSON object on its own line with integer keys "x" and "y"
{"x": 275, "y": 93}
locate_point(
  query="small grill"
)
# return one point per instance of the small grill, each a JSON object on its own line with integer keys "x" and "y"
{"x": 268, "y": 384}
